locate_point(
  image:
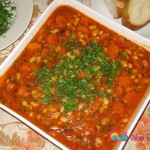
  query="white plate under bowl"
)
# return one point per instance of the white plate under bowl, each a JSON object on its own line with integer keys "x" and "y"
{"x": 100, "y": 7}
{"x": 24, "y": 9}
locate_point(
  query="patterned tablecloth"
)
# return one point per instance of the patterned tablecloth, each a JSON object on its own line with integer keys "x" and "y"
{"x": 14, "y": 135}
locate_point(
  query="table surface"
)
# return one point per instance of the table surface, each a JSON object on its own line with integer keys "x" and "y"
{"x": 14, "y": 135}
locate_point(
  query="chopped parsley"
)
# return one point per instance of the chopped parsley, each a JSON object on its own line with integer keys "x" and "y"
{"x": 69, "y": 105}
{"x": 64, "y": 81}
{"x": 7, "y": 9}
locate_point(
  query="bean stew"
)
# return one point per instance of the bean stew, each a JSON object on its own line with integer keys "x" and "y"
{"x": 77, "y": 80}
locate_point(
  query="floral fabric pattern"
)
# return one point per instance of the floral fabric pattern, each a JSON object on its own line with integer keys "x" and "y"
{"x": 140, "y": 138}
{"x": 14, "y": 135}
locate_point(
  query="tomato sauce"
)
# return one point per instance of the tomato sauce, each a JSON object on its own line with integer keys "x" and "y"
{"x": 77, "y": 80}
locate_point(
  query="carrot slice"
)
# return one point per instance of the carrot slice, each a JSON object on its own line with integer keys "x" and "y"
{"x": 119, "y": 90}
{"x": 104, "y": 36}
{"x": 34, "y": 46}
{"x": 118, "y": 107}
{"x": 3, "y": 80}
{"x": 82, "y": 29}
{"x": 42, "y": 31}
{"x": 112, "y": 51}
{"x": 52, "y": 39}
{"x": 61, "y": 20}
{"x": 125, "y": 80}
{"x": 81, "y": 75}
{"x": 45, "y": 52}
{"x": 22, "y": 91}
{"x": 25, "y": 69}
{"x": 132, "y": 98}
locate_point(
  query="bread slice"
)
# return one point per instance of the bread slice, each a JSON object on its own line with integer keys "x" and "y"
{"x": 136, "y": 14}
{"x": 115, "y": 7}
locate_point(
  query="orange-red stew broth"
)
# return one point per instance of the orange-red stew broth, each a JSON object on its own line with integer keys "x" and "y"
{"x": 77, "y": 80}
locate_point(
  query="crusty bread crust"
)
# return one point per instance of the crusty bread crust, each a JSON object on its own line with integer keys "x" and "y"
{"x": 115, "y": 7}
{"x": 120, "y": 5}
{"x": 126, "y": 20}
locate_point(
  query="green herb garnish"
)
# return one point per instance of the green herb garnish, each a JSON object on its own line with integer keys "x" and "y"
{"x": 7, "y": 9}
{"x": 66, "y": 82}
{"x": 69, "y": 105}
